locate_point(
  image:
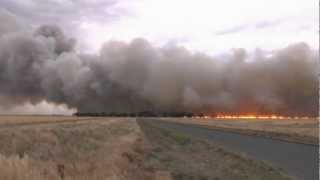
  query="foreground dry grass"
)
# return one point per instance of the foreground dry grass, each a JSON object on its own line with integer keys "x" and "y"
{"x": 69, "y": 148}
{"x": 297, "y": 130}
{"x": 91, "y": 150}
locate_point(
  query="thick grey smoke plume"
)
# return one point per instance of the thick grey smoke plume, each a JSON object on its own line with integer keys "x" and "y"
{"x": 136, "y": 76}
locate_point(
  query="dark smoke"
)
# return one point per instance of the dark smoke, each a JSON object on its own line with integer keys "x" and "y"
{"x": 136, "y": 76}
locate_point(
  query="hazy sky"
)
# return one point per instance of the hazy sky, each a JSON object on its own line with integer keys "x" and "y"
{"x": 212, "y": 26}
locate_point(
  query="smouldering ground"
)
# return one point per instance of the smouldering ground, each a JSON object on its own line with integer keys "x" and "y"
{"x": 71, "y": 148}
{"x": 297, "y": 130}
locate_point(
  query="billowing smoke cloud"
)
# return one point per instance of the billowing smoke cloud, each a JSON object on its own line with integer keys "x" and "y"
{"x": 132, "y": 77}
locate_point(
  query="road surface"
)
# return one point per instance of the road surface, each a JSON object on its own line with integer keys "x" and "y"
{"x": 299, "y": 160}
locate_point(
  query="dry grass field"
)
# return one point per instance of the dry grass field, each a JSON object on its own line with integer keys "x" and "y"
{"x": 36, "y": 119}
{"x": 297, "y": 130}
{"x": 71, "y": 148}
{"x": 83, "y": 150}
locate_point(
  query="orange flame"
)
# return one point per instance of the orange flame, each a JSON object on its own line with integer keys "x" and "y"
{"x": 250, "y": 117}
{"x": 276, "y": 117}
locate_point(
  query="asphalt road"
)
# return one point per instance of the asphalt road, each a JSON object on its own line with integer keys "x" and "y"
{"x": 299, "y": 160}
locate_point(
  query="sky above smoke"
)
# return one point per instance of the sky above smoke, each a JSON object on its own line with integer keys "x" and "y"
{"x": 210, "y": 26}
{"x": 130, "y": 56}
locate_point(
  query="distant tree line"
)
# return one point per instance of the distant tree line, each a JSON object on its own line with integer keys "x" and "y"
{"x": 140, "y": 114}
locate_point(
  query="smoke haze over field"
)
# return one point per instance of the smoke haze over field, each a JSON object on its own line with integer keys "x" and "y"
{"x": 42, "y": 65}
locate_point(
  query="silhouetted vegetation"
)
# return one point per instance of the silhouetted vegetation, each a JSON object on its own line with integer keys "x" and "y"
{"x": 140, "y": 114}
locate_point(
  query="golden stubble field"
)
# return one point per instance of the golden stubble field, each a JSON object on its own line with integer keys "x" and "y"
{"x": 102, "y": 148}
{"x": 37, "y": 119}
{"x": 69, "y": 148}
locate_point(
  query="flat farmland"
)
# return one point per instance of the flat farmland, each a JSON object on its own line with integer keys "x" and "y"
{"x": 37, "y": 119}
{"x": 99, "y": 148}
{"x": 61, "y": 147}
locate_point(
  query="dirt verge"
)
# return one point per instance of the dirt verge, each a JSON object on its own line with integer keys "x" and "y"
{"x": 182, "y": 157}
